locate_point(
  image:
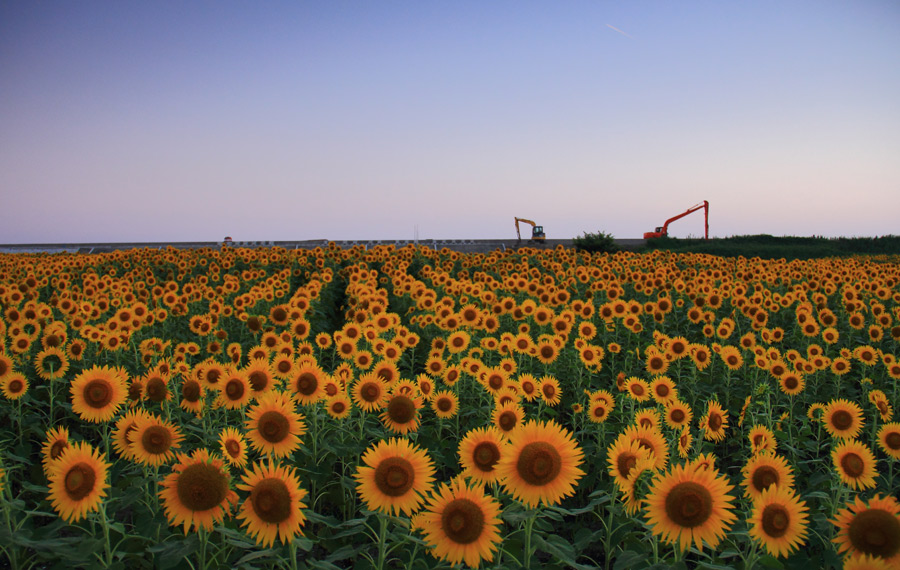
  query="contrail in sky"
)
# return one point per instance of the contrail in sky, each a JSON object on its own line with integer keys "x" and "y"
{"x": 618, "y": 30}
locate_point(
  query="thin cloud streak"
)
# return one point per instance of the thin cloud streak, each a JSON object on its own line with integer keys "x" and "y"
{"x": 611, "y": 27}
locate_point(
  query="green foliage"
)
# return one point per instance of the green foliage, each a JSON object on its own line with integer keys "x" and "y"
{"x": 596, "y": 242}
{"x": 786, "y": 247}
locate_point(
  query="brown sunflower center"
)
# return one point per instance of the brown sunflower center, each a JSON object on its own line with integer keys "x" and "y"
{"x": 190, "y": 391}
{"x": 715, "y": 421}
{"x": 677, "y": 415}
{"x": 892, "y": 440}
{"x": 370, "y": 392}
{"x": 599, "y": 412}
{"x": 775, "y": 520}
{"x": 637, "y": 389}
{"x": 273, "y": 426}
{"x": 625, "y": 463}
{"x": 15, "y": 386}
{"x": 394, "y": 476}
{"x": 689, "y": 504}
{"x": 234, "y": 389}
{"x": 446, "y": 404}
{"x": 486, "y": 455}
{"x": 763, "y": 477}
{"x": 875, "y": 532}
{"x": 662, "y": 391}
{"x": 842, "y": 419}
{"x": 401, "y": 409}
{"x": 80, "y": 481}
{"x": 539, "y": 463}
{"x": 853, "y": 465}
{"x": 156, "y": 440}
{"x": 201, "y": 487}
{"x": 233, "y": 448}
{"x": 791, "y": 382}
{"x": 495, "y": 381}
{"x": 258, "y": 380}
{"x": 462, "y": 521}
{"x": 549, "y": 391}
{"x": 98, "y": 393}
{"x": 156, "y": 389}
{"x": 507, "y": 420}
{"x": 271, "y": 500}
{"x": 283, "y": 366}
{"x": 338, "y": 407}
{"x": 57, "y": 448}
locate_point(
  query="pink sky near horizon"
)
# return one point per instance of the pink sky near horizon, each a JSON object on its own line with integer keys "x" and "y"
{"x": 394, "y": 120}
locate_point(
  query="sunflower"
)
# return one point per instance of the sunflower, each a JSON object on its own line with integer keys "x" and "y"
{"x": 458, "y": 341}
{"x": 156, "y": 386}
{"x": 479, "y": 452}
{"x": 121, "y": 436}
{"x": 766, "y": 470}
{"x": 507, "y": 417}
{"x": 792, "y": 383}
{"x": 529, "y": 386}
{"x": 643, "y": 468}
{"x": 622, "y": 456}
{"x": 14, "y": 385}
{"x": 685, "y": 440}
{"x": 307, "y": 383}
{"x": 369, "y": 392}
{"x": 401, "y": 413}
{"x": 57, "y": 441}
{"x": 6, "y": 363}
{"x": 656, "y": 363}
{"x": 549, "y": 391}
{"x": 339, "y": 406}
{"x": 647, "y": 418}
{"x": 233, "y": 388}
{"x": 461, "y": 523}
{"x": 843, "y": 419}
{"x": 540, "y": 464}
{"x": 275, "y": 505}
{"x": 889, "y": 439}
{"x": 701, "y": 356}
{"x": 192, "y": 393}
{"x": 198, "y": 491}
{"x": 77, "y": 481}
{"x": 445, "y": 404}
{"x": 663, "y": 389}
{"x": 687, "y": 505}
{"x": 153, "y": 440}
{"x": 762, "y": 440}
{"x": 637, "y": 389}
{"x": 855, "y": 463}
{"x": 651, "y": 440}
{"x": 678, "y": 414}
{"x": 714, "y": 422}
{"x": 260, "y": 375}
{"x": 598, "y": 411}
{"x": 396, "y": 476}
{"x": 98, "y": 392}
{"x": 51, "y": 363}
{"x": 233, "y": 446}
{"x": 273, "y": 425}
{"x": 870, "y": 529}
{"x": 779, "y": 521}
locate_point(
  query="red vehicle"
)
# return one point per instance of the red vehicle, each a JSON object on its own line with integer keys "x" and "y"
{"x": 664, "y": 230}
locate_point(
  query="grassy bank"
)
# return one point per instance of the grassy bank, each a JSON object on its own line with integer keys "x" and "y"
{"x": 787, "y": 247}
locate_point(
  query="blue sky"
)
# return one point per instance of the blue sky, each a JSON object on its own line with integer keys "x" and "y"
{"x": 182, "y": 121}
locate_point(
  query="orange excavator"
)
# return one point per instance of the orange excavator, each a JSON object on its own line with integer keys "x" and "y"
{"x": 664, "y": 230}
{"x": 537, "y": 232}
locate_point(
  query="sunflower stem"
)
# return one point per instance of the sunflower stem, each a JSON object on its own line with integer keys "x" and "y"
{"x": 382, "y": 540}
{"x": 107, "y": 550}
{"x": 529, "y": 528}
{"x": 201, "y": 555}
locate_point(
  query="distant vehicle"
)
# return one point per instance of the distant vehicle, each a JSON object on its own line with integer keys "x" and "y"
{"x": 664, "y": 230}
{"x": 537, "y": 232}
{"x": 226, "y": 241}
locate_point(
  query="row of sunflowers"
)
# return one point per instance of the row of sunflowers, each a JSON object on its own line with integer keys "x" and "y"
{"x": 407, "y": 407}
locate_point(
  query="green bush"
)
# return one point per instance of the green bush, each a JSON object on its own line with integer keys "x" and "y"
{"x": 596, "y": 242}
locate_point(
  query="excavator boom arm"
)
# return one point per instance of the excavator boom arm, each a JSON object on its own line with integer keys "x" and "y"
{"x": 704, "y": 205}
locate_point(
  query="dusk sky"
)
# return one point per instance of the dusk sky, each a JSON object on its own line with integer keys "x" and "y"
{"x": 190, "y": 121}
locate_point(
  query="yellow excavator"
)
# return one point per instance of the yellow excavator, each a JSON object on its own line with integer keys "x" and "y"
{"x": 537, "y": 232}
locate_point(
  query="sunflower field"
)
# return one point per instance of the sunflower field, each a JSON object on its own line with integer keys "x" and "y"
{"x": 412, "y": 408}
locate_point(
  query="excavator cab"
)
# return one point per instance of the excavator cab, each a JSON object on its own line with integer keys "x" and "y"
{"x": 537, "y": 232}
